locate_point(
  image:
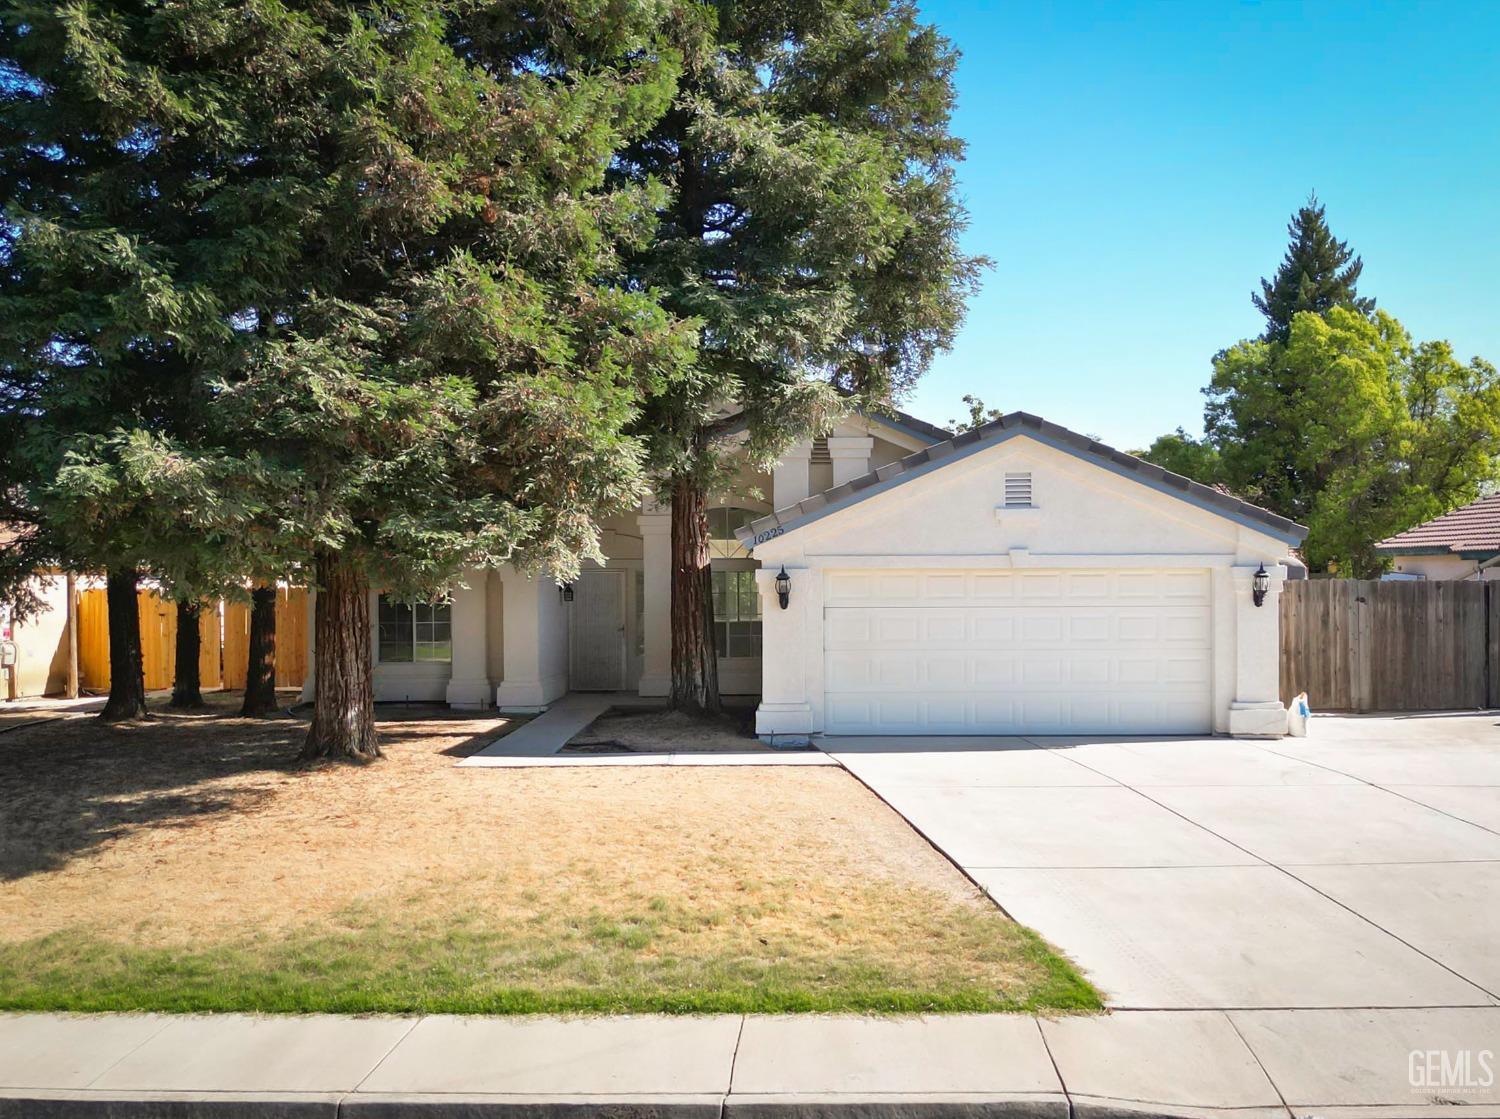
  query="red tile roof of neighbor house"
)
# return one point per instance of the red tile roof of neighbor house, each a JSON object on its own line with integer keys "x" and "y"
{"x": 1473, "y": 528}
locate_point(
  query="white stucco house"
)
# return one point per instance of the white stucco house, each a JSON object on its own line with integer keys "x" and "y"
{"x": 1018, "y": 578}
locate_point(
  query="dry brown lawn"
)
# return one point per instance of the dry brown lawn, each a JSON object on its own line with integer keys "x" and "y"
{"x": 628, "y": 731}
{"x": 189, "y": 863}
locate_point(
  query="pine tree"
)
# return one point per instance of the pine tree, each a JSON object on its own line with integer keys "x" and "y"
{"x": 811, "y": 231}
{"x": 1318, "y": 272}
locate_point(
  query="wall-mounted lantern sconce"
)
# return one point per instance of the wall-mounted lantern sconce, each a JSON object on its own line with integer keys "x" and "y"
{"x": 565, "y": 591}
{"x": 1260, "y": 585}
{"x": 783, "y": 587}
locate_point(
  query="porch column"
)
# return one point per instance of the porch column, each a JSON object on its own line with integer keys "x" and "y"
{"x": 656, "y": 608}
{"x": 469, "y": 686}
{"x": 1257, "y": 710}
{"x": 308, "y": 690}
{"x": 851, "y": 456}
{"x": 790, "y": 481}
{"x": 536, "y": 643}
{"x": 785, "y": 716}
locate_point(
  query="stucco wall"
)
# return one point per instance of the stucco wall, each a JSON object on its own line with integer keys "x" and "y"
{"x": 1443, "y": 567}
{"x": 495, "y": 633}
{"x": 41, "y": 644}
{"x": 621, "y": 536}
{"x": 552, "y": 630}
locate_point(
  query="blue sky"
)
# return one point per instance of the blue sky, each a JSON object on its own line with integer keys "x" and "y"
{"x": 1132, "y": 167}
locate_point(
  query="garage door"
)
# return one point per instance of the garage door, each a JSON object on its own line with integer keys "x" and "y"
{"x": 1017, "y": 652}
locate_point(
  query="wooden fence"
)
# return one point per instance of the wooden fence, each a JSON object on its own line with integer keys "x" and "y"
{"x": 224, "y": 629}
{"x": 1403, "y": 645}
{"x": 291, "y": 639}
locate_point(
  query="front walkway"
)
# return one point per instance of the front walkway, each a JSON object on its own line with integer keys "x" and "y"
{"x": 1260, "y": 1063}
{"x": 1356, "y": 868}
{"x": 538, "y": 742}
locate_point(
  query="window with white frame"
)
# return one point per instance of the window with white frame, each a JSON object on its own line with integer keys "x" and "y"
{"x": 736, "y": 614}
{"x": 415, "y": 632}
{"x": 722, "y": 521}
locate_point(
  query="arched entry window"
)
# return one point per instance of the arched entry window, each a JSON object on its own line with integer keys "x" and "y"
{"x": 722, "y": 521}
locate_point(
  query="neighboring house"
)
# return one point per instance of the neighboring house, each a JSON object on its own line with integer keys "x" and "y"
{"x": 34, "y": 652}
{"x": 38, "y": 646}
{"x": 1463, "y": 544}
{"x": 1019, "y": 578}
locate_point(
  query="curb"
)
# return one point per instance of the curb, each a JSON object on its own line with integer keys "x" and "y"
{"x": 47, "y": 1104}
{"x": 22, "y": 1103}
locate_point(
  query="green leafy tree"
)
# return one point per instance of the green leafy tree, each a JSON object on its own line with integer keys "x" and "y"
{"x": 1380, "y": 433}
{"x": 978, "y": 416}
{"x": 811, "y": 232}
{"x": 1180, "y": 453}
{"x": 1251, "y": 443}
{"x": 1318, "y": 272}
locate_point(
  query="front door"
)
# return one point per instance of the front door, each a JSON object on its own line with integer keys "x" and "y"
{"x": 597, "y": 629}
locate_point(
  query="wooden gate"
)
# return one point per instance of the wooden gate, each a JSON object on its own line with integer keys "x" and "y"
{"x": 1401, "y": 645}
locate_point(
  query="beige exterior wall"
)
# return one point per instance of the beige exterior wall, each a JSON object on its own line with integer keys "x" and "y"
{"x": 42, "y": 645}
{"x": 1443, "y": 567}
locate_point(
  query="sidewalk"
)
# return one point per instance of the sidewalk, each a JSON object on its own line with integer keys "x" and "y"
{"x": 1243, "y": 1064}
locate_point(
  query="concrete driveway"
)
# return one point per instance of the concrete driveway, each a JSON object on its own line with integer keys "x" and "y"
{"x": 1356, "y": 868}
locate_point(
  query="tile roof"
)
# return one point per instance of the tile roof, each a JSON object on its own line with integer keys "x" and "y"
{"x": 1011, "y": 424}
{"x": 897, "y": 418}
{"x": 1473, "y": 528}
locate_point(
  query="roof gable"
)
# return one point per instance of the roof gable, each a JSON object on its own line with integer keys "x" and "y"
{"x": 890, "y": 419}
{"x": 941, "y": 454}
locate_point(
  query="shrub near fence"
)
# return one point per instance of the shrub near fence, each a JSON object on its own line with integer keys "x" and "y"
{"x": 224, "y": 629}
{"x": 1403, "y": 645}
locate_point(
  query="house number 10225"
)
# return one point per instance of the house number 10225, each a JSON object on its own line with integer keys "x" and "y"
{"x": 769, "y": 534}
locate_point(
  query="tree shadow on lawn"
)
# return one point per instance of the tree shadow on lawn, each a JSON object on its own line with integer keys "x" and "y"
{"x": 70, "y": 786}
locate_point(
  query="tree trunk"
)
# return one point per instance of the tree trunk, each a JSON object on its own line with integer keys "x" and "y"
{"x": 260, "y": 675}
{"x": 695, "y": 662}
{"x": 127, "y": 672}
{"x": 187, "y": 688}
{"x": 343, "y": 723}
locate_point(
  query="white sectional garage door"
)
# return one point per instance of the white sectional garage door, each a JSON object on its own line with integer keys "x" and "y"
{"x": 1017, "y": 652}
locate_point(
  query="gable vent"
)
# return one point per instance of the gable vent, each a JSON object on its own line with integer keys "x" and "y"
{"x": 1018, "y": 490}
{"x": 820, "y": 451}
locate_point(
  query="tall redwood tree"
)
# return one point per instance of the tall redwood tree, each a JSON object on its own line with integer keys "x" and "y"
{"x": 811, "y": 229}
{"x": 187, "y": 682}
